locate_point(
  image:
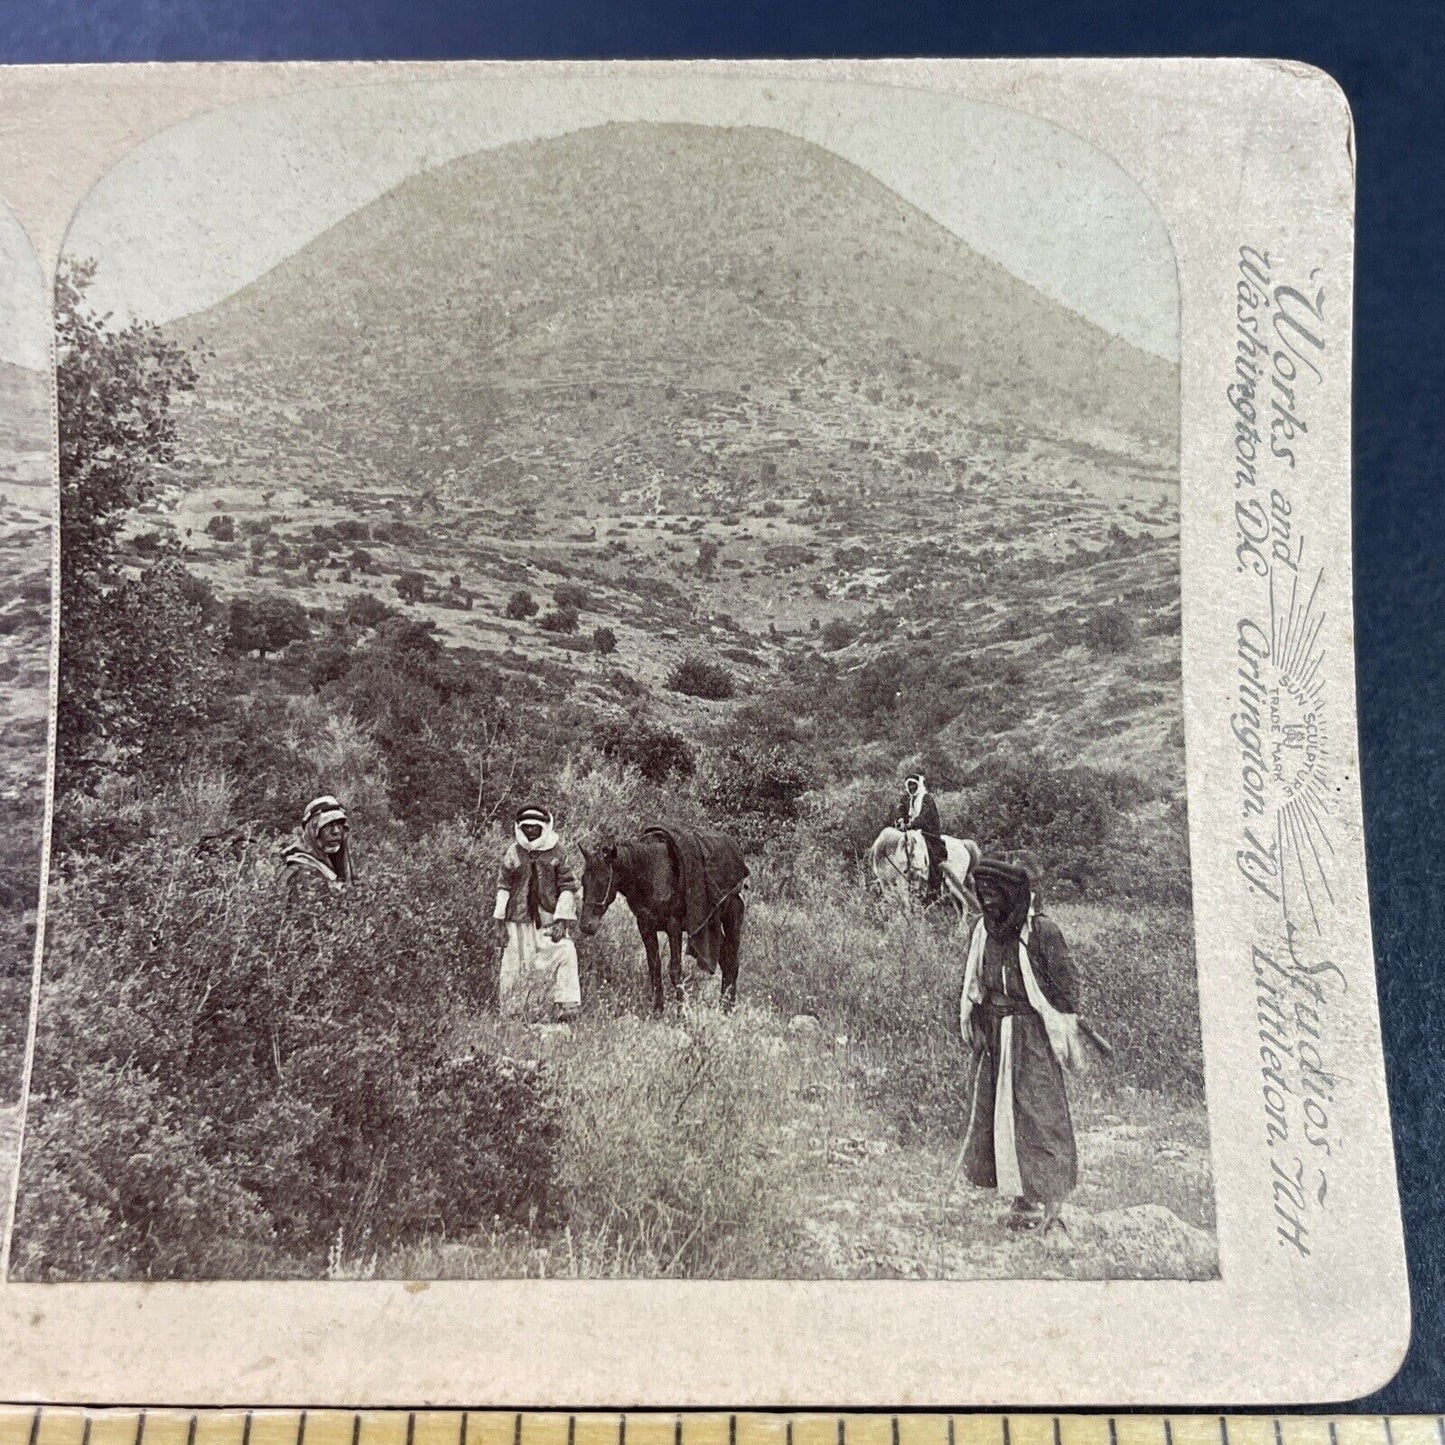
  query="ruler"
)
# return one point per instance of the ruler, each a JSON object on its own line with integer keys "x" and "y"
{"x": 20, "y": 1425}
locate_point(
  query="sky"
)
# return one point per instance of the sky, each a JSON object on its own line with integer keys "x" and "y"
{"x": 24, "y": 316}
{"x": 210, "y": 204}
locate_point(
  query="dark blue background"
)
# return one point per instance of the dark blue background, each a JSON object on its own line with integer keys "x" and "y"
{"x": 1388, "y": 59}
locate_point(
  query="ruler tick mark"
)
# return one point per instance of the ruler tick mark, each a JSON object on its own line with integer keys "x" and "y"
{"x": 301, "y": 1429}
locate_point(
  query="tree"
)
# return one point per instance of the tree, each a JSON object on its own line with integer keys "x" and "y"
{"x": 136, "y": 663}
{"x": 570, "y": 596}
{"x": 411, "y": 586}
{"x": 366, "y": 609}
{"x": 222, "y": 527}
{"x": 707, "y": 551}
{"x": 265, "y": 624}
{"x": 521, "y": 605}
{"x": 604, "y": 639}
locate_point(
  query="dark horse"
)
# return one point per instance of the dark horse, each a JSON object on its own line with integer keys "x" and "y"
{"x": 645, "y": 872}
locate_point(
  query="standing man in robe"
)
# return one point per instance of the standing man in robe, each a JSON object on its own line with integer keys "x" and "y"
{"x": 919, "y": 813}
{"x": 535, "y": 913}
{"x": 1019, "y": 1015}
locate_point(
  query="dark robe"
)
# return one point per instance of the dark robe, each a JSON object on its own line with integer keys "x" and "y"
{"x": 931, "y": 826}
{"x": 1042, "y": 1125}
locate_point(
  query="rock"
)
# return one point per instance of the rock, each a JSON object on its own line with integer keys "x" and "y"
{"x": 1146, "y": 1241}
{"x": 803, "y": 1026}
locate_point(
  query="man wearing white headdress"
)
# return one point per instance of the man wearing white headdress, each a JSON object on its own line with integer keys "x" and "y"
{"x": 535, "y": 913}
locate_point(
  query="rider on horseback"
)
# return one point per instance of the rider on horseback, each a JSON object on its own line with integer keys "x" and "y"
{"x": 918, "y": 813}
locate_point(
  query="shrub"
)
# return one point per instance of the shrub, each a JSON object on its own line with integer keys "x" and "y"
{"x": 570, "y": 597}
{"x": 193, "y": 1113}
{"x": 699, "y": 677}
{"x": 412, "y": 586}
{"x": 837, "y": 633}
{"x": 222, "y": 527}
{"x": 366, "y": 609}
{"x": 755, "y": 788}
{"x": 265, "y": 624}
{"x": 604, "y": 641}
{"x": 656, "y": 752}
{"x": 1108, "y": 629}
{"x": 520, "y": 605}
{"x": 563, "y": 621}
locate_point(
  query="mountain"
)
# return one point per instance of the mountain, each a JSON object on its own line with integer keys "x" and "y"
{"x": 635, "y": 255}
{"x": 611, "y": 357}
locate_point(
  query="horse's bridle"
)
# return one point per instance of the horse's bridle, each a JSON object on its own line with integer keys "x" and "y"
{"x": 609, "y": 895}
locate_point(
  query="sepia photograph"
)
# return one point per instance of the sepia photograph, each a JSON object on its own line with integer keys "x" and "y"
{"x": 619, "y": 702}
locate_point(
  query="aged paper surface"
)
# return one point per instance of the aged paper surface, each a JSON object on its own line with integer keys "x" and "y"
{"x": 928, "y": 479}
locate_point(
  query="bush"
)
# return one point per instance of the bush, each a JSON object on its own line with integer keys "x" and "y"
{"x": 570, "y": 597}
{"x": 222, "y": 527}
{"x": 837, "y": 633}
{"x": 604, "y": 641}
{"x": 755, "y": 788}
{"x": 521, "y": 605}
{"x": 412, "y": 586}
{"x": 563, "y": 621}
{"x": 656, "y": 752}
{"x": 265, "y": 624}
{"x": 699, "y": 677}
{"x": 1108, "y": 629}
{"x": 193, "y": 1112}
{"x": 366, "y": 609}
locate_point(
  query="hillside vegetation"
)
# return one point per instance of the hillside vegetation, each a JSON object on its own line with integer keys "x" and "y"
{"x": 26, "y": 514}
{"x": 658, "y": 473}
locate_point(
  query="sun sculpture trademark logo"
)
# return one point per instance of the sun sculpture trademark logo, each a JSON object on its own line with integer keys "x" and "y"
{"x": 1282, "y": 729}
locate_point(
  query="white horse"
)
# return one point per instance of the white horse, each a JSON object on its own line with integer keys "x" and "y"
{"x": 899, "y": 861}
